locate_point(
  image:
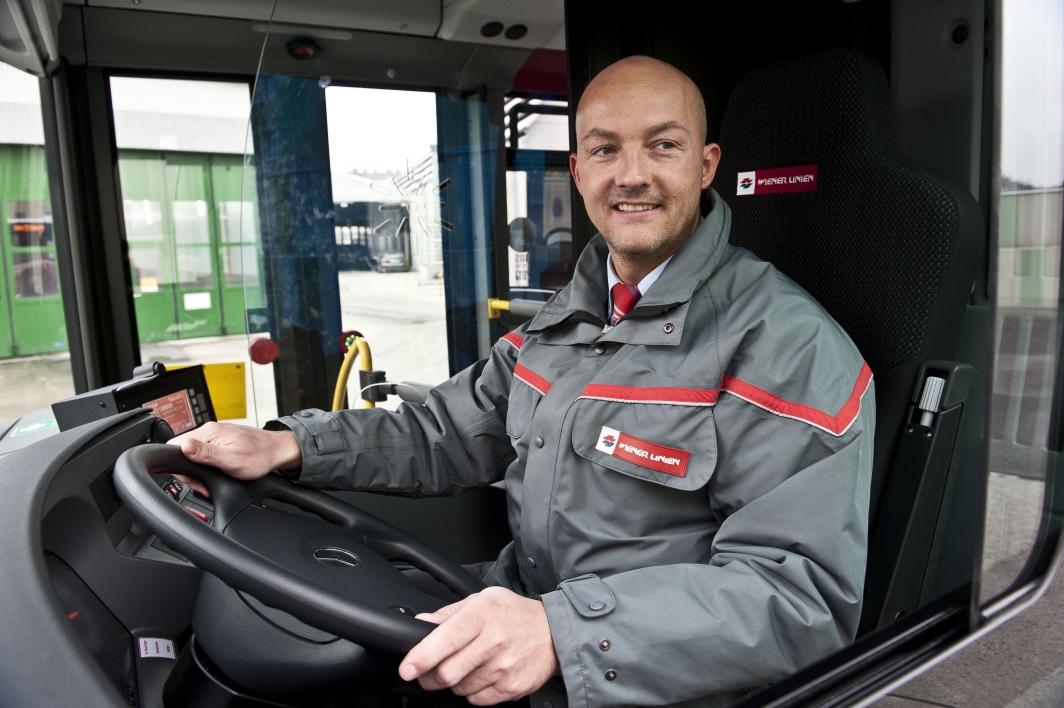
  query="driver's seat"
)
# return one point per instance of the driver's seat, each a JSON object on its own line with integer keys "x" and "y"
{"x": 886, "y": 245}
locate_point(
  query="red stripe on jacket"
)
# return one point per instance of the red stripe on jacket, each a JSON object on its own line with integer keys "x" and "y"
{"x": 513, "y": 338}
{"x": 634, "y": 394}
{"x": 531, "y": 378}
{"x": 835, "y": 424}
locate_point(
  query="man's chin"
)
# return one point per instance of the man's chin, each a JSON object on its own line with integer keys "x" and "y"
{"x": 635, "y": 245}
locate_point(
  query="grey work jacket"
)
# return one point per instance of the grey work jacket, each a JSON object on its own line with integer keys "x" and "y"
{"x": 688, "y": 491}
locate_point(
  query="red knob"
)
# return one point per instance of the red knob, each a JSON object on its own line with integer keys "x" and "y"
{"x": 264, "y": 351}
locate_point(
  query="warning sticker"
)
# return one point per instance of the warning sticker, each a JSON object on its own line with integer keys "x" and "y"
{"x": 155, "y": 648}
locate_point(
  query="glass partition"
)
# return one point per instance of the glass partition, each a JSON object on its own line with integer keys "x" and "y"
{"x": 384, "y": 172}
{"x": 192, "y": 244}
{"x": 377, "y": 208}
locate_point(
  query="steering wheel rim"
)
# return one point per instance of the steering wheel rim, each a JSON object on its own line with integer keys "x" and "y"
{"x": 244, "y": 569}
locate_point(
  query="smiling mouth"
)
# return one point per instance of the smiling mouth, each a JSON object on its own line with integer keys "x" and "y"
{"x": 629, "y": 208}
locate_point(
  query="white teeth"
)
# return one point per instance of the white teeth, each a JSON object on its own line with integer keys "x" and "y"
{"x": 635, "y": 207}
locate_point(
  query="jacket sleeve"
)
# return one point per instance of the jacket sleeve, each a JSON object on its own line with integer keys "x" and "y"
{"x": 456, "y": 441}
{"x": 782, "y": 589}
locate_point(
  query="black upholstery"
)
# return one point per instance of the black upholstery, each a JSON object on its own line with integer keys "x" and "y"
{"x": 886, "y": 245}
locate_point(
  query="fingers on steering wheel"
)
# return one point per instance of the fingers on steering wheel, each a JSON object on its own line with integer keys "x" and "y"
{"x": 441, "y": 643}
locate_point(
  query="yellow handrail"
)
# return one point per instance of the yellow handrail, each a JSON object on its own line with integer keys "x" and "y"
{"x": 360, "y": 348}
{"x": 522, "y": 308}
{"x": 496, "y": 306}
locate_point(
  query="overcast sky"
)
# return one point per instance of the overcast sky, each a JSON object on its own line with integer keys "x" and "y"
{"x": 1032, "y": 98}
{"x": 378, "y": 129}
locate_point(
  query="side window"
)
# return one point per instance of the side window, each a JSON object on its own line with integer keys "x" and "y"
{"x": 34, "y": 365}
{"x": 1024, "y": 440}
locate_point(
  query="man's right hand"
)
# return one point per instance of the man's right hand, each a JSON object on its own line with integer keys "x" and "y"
{"x": 240, "y": 451}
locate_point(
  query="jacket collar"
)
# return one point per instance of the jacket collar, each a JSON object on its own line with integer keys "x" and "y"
{"x": 585, "y": 297}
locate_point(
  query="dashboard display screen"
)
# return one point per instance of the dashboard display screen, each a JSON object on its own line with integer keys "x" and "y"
{"x": 175, "y": 409}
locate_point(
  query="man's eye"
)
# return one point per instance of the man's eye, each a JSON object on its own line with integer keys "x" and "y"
{"x": 604, "y": 150}
{"x": 668, "y": 145}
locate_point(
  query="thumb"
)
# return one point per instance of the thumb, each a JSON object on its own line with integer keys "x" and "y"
{"x": 199, "y": 451}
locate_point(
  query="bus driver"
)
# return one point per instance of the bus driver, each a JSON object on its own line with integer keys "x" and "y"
{"x": 685, "y": 435}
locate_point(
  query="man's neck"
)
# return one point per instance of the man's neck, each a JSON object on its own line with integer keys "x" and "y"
{"x": 632, "y": 269}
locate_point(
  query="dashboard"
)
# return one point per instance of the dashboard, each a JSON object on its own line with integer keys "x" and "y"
{"x": 127, "y": 596}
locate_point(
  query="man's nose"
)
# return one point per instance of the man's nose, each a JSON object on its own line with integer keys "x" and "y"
{"x": 633, "y": 170}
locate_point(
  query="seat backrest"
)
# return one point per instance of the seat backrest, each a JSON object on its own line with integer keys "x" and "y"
{"x": 887, "y": 246}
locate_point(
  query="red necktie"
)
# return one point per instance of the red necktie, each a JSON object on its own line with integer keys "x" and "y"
{"x": 624, "y": 299}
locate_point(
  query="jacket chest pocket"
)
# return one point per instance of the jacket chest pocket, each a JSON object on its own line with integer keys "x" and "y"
{"x": 668, "y": 444}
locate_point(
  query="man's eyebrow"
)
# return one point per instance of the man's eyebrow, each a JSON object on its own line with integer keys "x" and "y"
{"x": 601, "y": 133}
{"x": 667, "y": 125}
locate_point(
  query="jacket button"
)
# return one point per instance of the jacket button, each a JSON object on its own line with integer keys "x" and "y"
{"x": 611, "y": 675}
{"x": 546, "y": 704}
{"x": 604, "y": 645}
{"x": 305, "y": 414}
{"x": 599, "y": 349}
{"x": 596, "y": 605}
{"x": 539, "y": 442}
{"x": 532, "y": 561}
{"x": 668, "y": 328}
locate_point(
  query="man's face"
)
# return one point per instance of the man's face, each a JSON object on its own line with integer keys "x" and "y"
{"x": 640, "y": 162}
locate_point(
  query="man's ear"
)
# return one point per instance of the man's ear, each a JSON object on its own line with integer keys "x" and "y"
{"x": 710, "y": 160}
{"x": 575, "y": 171}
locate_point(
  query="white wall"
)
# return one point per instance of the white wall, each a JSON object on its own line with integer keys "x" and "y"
{"x": 20, "y": 107}
{"x": 185, "y": 116}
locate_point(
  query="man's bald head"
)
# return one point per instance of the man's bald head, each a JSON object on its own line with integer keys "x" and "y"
{"x": 644, "y": 73}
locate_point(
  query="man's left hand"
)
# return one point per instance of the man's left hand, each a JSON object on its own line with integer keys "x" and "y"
{"x": 491, "y": 647}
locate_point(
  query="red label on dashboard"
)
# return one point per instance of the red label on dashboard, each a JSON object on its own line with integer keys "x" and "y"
{"x": 640, "y": 452}
{"x": 779, "y": 179}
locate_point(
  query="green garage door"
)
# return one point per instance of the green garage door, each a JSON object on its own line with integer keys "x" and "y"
{"x": 31, "y": 306}
{"x": 150, "y": 245}
{"x": 192, "y": 243}
{"x": 197, "y": 288}
{"x": 238, "y": 250}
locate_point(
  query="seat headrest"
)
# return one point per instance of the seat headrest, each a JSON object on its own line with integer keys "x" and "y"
{"x": 873, "y": 236}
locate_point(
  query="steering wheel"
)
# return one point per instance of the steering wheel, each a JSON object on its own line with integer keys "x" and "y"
{"x": 353, "y": 538}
